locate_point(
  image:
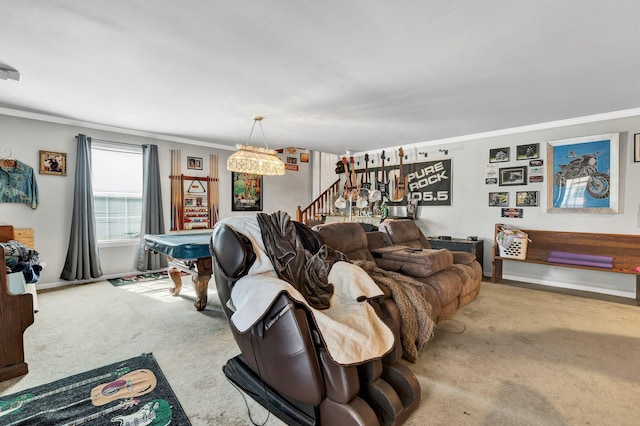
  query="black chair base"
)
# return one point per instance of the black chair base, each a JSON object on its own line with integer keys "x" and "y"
{"x": 237, "y": 371}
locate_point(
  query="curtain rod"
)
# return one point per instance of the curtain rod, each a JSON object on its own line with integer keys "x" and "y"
{"x": 117, "y": 143}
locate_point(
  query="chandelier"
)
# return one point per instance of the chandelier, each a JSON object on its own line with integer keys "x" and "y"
{"x": 255, "y": 160}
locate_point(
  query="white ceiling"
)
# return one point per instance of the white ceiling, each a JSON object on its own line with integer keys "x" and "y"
{"x": 328, "y": 75}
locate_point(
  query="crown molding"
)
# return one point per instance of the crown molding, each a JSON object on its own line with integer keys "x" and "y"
{"x": 633, "y": 112}
{"x": 70, "y": 122}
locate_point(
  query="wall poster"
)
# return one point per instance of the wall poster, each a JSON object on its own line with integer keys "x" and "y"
{"x": 246, "y": 190}
{"x": 582, "y": 174}
{"x": 430, "y": 182}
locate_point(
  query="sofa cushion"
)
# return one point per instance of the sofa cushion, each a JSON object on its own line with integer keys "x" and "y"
{"x": 375, "y": 240}
{"x": 419, "y": 264}
{"x": 347, "y": 237}
{"x": 403, "y": 232}
{"x": 463, "y": 257}
{"x": 447, "y": 284}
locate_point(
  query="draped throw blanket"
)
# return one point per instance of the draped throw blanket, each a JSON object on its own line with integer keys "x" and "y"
{"x": 351, "y": 330}
{"x": 416, "y": 327}
{"x": 307, "y": 272}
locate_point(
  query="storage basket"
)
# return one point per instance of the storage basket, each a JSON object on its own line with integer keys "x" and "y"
{"x": 512, "y": 243}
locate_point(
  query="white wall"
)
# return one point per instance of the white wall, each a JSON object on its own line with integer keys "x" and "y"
{"x": 471, "y": 215}
{"x": 51, "y": 220}
{"x": 468, "y": 215}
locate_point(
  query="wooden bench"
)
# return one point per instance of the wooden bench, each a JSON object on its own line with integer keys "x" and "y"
{"x": 624, "y": 249}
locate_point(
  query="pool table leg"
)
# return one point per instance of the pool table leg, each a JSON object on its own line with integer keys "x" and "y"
{"x": 200, "y": 277}
{"x": 176, "y": 277}
{"x": 201, "y": 286}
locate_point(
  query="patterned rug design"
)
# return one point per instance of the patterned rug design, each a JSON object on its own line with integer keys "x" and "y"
{"x": 130, "y": 392}
{"x": 140, "y": 278}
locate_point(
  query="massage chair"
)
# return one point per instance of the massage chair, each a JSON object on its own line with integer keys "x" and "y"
{"x": 284, "y": 366}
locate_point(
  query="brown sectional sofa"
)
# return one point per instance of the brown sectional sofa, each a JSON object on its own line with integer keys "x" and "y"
{"x": 452, "y": 278}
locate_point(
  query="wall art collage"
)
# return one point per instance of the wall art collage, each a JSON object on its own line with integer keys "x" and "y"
{"x": 581, "y": 175}
{"x": 514, "y": 172}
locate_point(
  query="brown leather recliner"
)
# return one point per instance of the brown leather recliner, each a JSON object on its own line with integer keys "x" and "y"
{"x": 452, "y": 278}
{"x": 284, "y": 366}
{"x": 465, "y": 265}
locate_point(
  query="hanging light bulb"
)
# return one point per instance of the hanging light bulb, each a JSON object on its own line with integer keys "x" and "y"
{"x": 374, "y": 195}
{"x": 361, "y": 202}
{"x": 340, "y": 203}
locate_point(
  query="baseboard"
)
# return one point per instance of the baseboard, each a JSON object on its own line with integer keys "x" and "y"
{"x": 623, "y": 297}
{"x": 60, "y": 284}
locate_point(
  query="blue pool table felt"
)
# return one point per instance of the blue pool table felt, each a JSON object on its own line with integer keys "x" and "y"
{"x": 180, "y": 246}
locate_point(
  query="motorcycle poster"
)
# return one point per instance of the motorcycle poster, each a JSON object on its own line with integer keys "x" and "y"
{"x": 583, "y": 174}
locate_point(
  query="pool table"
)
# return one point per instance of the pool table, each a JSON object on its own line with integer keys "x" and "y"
{"x": 187, "y": 252}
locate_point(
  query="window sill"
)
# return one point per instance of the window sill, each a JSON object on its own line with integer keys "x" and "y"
{"x": 119, "y": 243}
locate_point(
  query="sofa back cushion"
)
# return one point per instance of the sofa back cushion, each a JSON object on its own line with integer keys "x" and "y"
{"x": 347, "y": 237}
{"x": 403, "y": 232}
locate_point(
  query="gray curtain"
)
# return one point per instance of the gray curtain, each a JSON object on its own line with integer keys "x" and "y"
{"x": 152, "y": 218}
{"x": 82, "y": 261}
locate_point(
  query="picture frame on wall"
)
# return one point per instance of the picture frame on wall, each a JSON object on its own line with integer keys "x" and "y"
{"x": 526, "y": 152}
{"x": 513, "y": 176}
{"x": 498, "y": 199}
{"x": 194, "y": 163}
{"x": 512, "y": 213}
{"x": 499, "y": 155}
{"x": 527, "y": 198}
{"x": 53, "y": 163}
{"x": 246, "y": 192}
{"x": 636, "y": 148}
{"x": 582, "y": 174}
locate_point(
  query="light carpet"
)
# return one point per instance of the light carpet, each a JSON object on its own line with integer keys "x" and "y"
{"x": 513, "y": 356}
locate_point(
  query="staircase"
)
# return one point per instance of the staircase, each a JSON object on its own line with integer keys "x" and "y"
{"x": 312, "y": 214}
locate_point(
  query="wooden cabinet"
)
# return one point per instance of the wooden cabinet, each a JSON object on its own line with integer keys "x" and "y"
{"x": 196, "y": 203}
{"x": 16, "y": 314}
{"x": 460, "y": 244}
{"x": 191, "y": 206}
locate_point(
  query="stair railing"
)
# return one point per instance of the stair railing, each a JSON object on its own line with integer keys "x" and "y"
{"x": 319, "y": 206}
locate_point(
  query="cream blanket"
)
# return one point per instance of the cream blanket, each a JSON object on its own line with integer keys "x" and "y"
{"x": 351, "y": 330}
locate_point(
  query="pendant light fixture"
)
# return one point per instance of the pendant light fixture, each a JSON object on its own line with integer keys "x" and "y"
{"x": 365, "y": 196}
{"x": 255, "y": 160}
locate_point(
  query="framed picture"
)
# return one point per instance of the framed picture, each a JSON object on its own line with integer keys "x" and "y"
{"x": 526, "y": 152}
{"x": 498, "y": 199}
{"x": 636, "y": 148}
{"x": 513, "y": 176}
{"x": 246, "y": 192}
{"x": 527, "y": 198}
{"x": 499, "y": 155}
{"x": 512, "y": 213}
{"x": 194, "y": 163}
{"x": 304, "y": 157}
{"x": 582, "y": 174}
{"x": 53, "y": 163}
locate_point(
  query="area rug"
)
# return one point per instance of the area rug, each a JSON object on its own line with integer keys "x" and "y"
{"x": 130, "y": 392}
{"x": 140, "y": 278}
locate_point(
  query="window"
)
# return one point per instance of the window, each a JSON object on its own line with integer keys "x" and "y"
{"x": 117, "y": 190}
